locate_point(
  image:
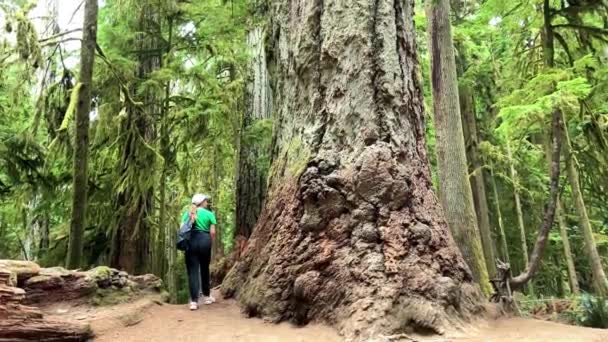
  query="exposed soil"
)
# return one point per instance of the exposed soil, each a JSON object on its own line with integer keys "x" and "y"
{"x": 222, "y": 322}
{"x": 219, "y": 322}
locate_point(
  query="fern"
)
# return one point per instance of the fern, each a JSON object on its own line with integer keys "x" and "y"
{"x": 593, "y": 311}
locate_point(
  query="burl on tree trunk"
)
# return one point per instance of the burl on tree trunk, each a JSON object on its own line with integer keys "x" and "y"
{"x": 352, "y": 233}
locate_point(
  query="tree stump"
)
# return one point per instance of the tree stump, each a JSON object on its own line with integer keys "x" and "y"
{"x": 25, "y": 323}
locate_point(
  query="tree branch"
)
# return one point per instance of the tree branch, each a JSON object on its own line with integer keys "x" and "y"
{"x": 562, "y": 42}
{"x": 60, "y": 34}
{"x": 591, "y": 29}
{"x": 57, "y": 42}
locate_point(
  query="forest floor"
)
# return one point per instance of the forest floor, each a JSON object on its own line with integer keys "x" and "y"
{"x": 147, "y": 321}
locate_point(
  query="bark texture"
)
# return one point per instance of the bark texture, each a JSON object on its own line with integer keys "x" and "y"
{"x": 253, "y": 154}
{"x": 454, "y": 189}
{"x": 351, "y": 233}
{"x": 81, "y": 151}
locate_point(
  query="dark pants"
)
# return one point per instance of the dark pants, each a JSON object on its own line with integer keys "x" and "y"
{"x": 198, "y": 257}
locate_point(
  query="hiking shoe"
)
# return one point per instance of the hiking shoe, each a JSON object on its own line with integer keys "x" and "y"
{"x": 208, "y": 300}
{"x": 193, "y": 306}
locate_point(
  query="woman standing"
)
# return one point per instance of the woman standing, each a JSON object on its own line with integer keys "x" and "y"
{"x": 198, "y": 255}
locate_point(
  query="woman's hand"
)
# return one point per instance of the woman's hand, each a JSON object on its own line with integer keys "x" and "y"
{"x": 212, "y": 231}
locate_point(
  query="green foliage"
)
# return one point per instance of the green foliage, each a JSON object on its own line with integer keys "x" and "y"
{"x": 593, "y": 311}
{"x": 193, "y": 99}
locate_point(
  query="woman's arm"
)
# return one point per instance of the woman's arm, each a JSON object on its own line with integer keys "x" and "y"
{"x": 212, "y": 231}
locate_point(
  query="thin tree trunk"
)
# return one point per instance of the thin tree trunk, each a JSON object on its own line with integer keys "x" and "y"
{"x": 501, "y": 229}
{"x": 549, "y": 55}
{"x": 218, "y": 245}
{"x": 351, "y": 232}
{"x": 600, "y": 283}
{"x": 478, "y": 186}
{"x": 454, "y": 189}
{"x": 549, "y": 215}
{"x": 25, "y": 249}
{"x": 81, "y": 152}
{"x": 519, "y": 213}
{"x": 572, "y": 277}
{"x": 558, "y": 277}
{"x": 165, "y": 150}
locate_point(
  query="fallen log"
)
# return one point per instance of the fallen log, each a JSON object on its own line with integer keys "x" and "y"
{"x": 57, "y": 284}
{"x": 17, "y": 330}
{"x": 22, "y": 269}
{"x": 26, "y": 323}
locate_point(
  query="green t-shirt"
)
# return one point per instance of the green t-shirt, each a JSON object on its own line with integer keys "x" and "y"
{"x": 204, "y": 219}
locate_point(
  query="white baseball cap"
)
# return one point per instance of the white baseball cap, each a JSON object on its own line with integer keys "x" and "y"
{"x": 199, "y": 198}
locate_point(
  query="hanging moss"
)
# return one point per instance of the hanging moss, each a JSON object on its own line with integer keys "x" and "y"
{"x": 63, "y": 133}
{"x": 27, "y": 41}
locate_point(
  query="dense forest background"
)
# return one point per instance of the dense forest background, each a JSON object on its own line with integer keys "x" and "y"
{"x": 180, "y": 105}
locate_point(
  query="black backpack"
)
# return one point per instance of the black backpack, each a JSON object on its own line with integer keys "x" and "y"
{"x": 183, "y": 235}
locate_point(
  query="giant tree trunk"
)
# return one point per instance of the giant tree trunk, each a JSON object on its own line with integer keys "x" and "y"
{"x": 351, "y": 233}
{"x": 454, "y": 189}
{"x": 81, "y": 151}
{"x": 478, "y": 186}
{"x": 253, "y": 154}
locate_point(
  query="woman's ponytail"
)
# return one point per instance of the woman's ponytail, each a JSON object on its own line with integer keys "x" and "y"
{"x": 193, "y": 212}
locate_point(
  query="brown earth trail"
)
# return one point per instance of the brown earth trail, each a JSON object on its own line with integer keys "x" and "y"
{"x": 223, "y": 322}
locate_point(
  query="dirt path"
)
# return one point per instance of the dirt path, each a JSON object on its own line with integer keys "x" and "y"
{"x": 531, "y": 330}
{"x": 222, "y": 322}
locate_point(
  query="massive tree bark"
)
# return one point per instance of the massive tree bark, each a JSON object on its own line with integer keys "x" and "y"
{"x": 478, "y": 186}
{"x": 81, "y": 151}
{"x": 253, "y": 155}
{"x": 454, "y": 189}
{"x": 351, "y": 233}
